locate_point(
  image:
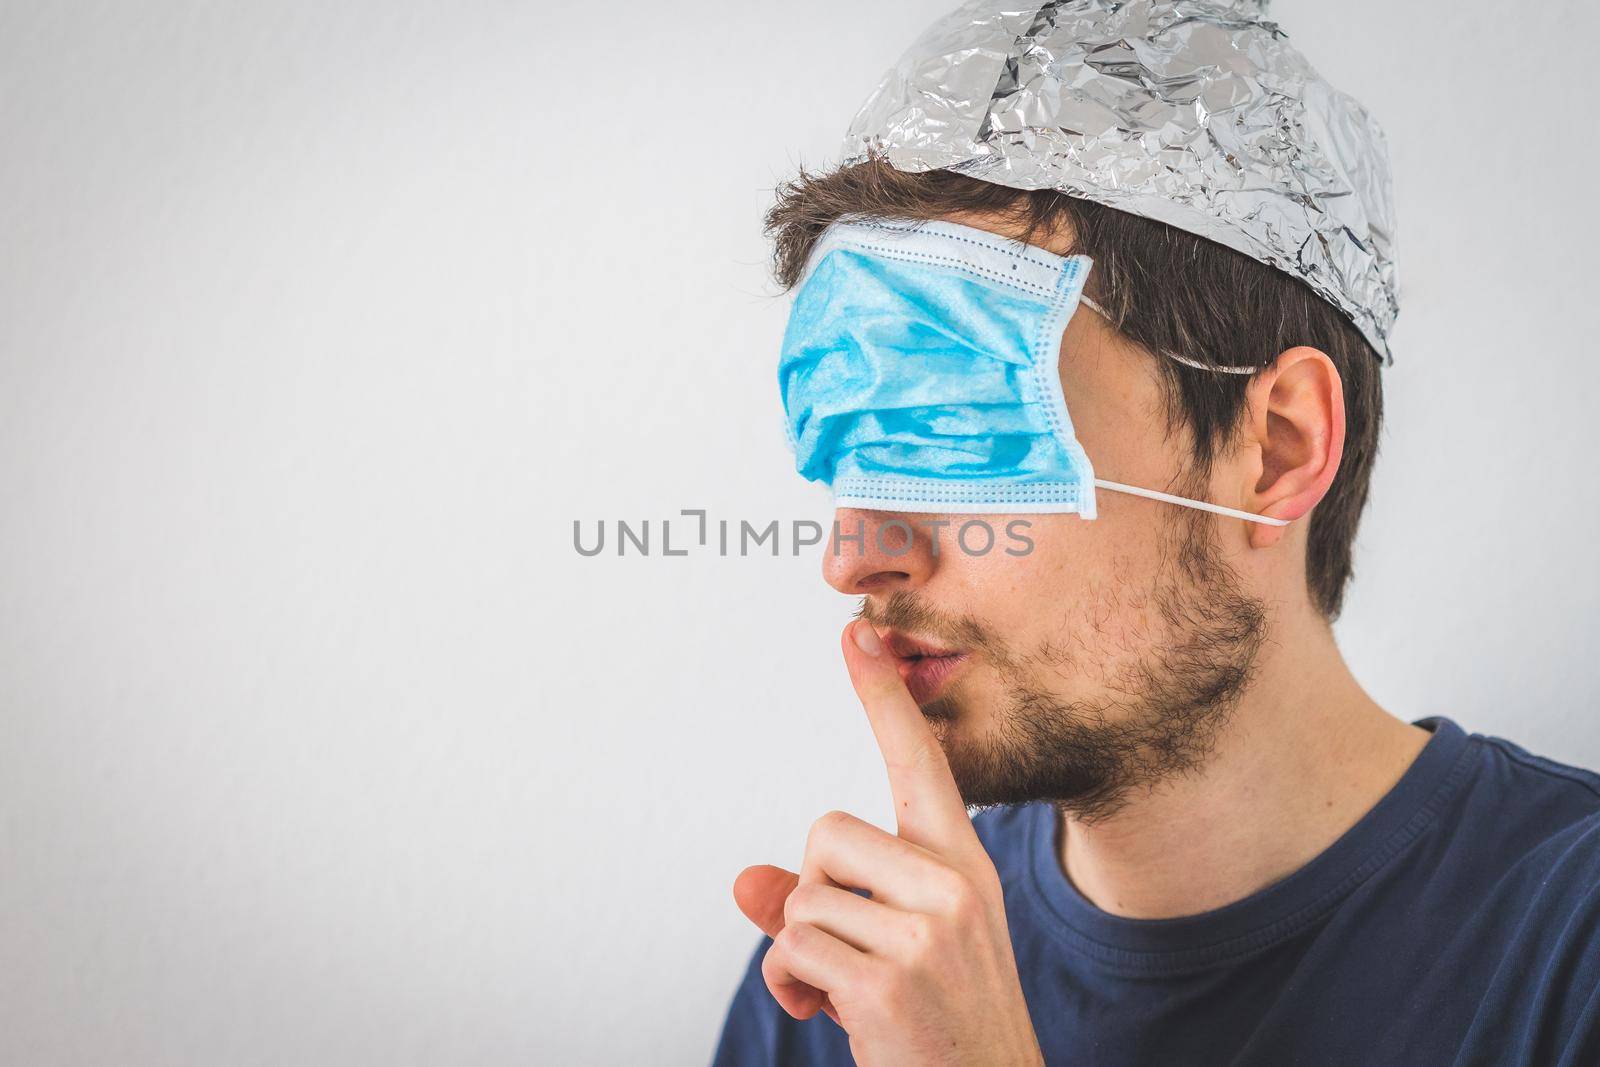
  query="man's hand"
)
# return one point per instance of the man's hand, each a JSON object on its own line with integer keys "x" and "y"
{"x": 923, "y": 971}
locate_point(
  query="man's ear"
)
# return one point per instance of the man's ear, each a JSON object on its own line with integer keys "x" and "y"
{"x": 1296, "y": 412}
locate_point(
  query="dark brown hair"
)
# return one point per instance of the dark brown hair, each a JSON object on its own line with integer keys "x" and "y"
{"x": 1167, "y": 290}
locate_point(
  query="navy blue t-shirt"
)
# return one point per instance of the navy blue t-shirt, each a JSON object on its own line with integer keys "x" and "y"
{"x": 1458, "y": 922}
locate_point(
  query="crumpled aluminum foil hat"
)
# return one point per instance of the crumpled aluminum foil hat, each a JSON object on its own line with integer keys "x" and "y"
{"x": 1196, "y": 113}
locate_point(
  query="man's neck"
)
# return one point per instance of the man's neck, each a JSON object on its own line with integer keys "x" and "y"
{"x": 1304, "y": 756}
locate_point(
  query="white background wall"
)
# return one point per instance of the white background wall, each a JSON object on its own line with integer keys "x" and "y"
{"x": 321, "y": 323}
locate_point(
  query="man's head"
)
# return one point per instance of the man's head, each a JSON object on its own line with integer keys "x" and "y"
{"x": 1107, "y": 657}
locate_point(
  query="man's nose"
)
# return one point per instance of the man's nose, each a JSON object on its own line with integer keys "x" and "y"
{"x": 880, "y": 551}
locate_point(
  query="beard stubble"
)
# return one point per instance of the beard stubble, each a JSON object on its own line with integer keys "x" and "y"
{"x": 1162, "y": 710}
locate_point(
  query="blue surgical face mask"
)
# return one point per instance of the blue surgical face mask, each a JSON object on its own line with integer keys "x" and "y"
{"x": 919, "y": 374}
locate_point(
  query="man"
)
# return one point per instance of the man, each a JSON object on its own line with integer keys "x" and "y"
{"x": 1204, "y": 842}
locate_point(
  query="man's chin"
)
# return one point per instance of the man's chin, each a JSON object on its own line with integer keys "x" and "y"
{"x": 995, "y": 767}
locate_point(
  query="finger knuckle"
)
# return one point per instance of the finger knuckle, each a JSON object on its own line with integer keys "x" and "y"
{"x": 917, "y": 756}
{"x": 792, "y": 939}
{"x": 801, "y": 902}
{"x": 958, "y": 898}
{"x": 775, "y": 973}
{"x": 826, "y": 826}
{"x": 922, "y": 936}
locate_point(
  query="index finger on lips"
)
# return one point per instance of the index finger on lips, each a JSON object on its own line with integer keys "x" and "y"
{"x": 928, "y": 806}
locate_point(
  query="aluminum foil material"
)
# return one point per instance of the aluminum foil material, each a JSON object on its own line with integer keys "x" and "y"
{"x": 1196, "y": 113}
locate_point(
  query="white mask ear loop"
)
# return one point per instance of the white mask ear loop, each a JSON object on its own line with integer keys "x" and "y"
{"x": 1202, "y": 505}
{"x": 1182, "y": 501}
{"x": 1185, "y": 360}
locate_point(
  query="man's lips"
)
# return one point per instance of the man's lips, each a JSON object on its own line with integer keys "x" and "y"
{"x": 925, "y": 666}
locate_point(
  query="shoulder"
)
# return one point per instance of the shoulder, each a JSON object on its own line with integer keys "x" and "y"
{"x": 1535, "y": 911}
{"x": 1529, "y": 806}
{"x": 1506, "y": 827}
{"x": 1527, "y": 830}
{"x": 1577, "y": 785}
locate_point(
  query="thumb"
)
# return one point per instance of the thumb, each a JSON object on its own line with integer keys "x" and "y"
{"x": 760, "y": 892}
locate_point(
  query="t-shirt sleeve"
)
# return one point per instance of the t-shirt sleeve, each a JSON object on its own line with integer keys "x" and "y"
{"x": 749, "y": 1034}
{"x": 1561, "y": 980}
{"x": 1542, "y": 1001}
{"x": 1582, "y": 1044}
